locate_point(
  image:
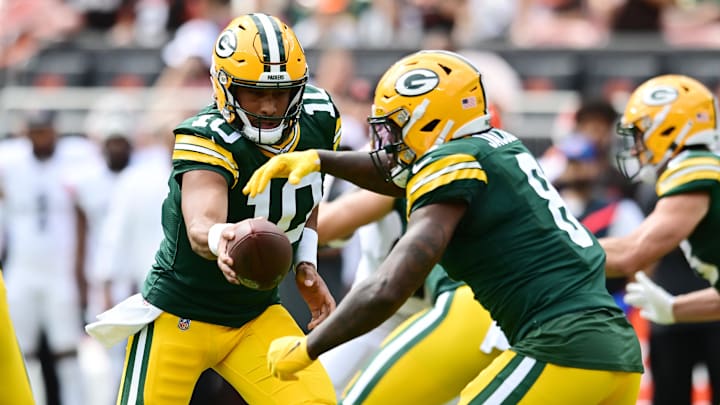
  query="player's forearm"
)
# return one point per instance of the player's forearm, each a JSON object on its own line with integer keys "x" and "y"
{"x": 364, "y": 308}
{"x": 358, "y": 168}
{"x": 697, "y": 306}
{"x": 374, "y": 300}
{"x": 619, "y": 257}
{"x": 198, "y": 237}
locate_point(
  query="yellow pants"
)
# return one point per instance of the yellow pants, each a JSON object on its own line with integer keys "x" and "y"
{"x": 14, "y": 383}
{"x": 429, "y": 358}
{"x": 517, "y": 379}
{"x": 165, "y": 359}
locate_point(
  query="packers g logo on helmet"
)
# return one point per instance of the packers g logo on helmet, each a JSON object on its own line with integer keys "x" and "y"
{"x": 663, "y": 116}
{"x": 660, "y": 95}
{"x": 226, "y": 44}
{"x": 258, "y": 52}
{"x": 422, "y": 102}
{"x": 416, "y": 82}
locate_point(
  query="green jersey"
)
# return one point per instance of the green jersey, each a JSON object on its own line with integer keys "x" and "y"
{"x": 693, "y": 171}
{"x": 527, "y": 259}
{"x": 190, "y": 286}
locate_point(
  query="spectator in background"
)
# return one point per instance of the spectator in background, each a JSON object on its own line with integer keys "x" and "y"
{"x": 564, "y": 23}
{"x": 595, "y": 120}
{"x": 45, "y": 249}
{"x": 389, "y": 23}
{"x": 692, "y": 23}
{"x": 130, "y": 234}
{"x": 188, "y": 55}
{"x": 468, "y": 22}
{"x": 111, "y": 125}
{"x": 29, "y": 25}
{"x": 582, "y": 187}
{"x": 328, "y": 24}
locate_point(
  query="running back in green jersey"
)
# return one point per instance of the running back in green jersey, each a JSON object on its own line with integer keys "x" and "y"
{"x": 688, "y": 172}
{"x": 189, "y": 286}
{"x": 524, "y": 255}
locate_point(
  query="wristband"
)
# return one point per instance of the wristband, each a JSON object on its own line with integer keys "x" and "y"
{"x": 214, "y": 236}
{"x": 307, "y": 248}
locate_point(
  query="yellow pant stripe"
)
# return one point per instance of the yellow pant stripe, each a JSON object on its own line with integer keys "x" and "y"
{"x": 396, "y": 348}
{"x": 512, "y": 383}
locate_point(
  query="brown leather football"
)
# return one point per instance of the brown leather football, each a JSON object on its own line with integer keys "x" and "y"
{"x": 261, "y": 253}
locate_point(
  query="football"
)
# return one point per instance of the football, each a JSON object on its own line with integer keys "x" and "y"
{"x": 261, "y": 253}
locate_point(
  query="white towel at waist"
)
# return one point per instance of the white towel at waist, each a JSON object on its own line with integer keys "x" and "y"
{"x": 123, "y": 320}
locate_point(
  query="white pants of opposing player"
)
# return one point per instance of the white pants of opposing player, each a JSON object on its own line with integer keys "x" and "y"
{"x": 48, "y": 304}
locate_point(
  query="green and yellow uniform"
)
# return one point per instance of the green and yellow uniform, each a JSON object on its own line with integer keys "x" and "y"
{"x": 697, "y": 171}
{"x": 208, "y": 322}
{"x": 539, "y": 273}
{"x": 417, "y": 348}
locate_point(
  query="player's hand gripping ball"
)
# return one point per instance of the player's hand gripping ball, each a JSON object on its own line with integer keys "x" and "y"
{"x": 261, "y": 253}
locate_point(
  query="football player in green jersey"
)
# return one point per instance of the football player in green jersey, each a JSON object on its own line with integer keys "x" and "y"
{"x": 670, "y": 126}
{"x": 479, "y": 204}
{"x": 209, "y": 319}
{"x": 409, "y": 341}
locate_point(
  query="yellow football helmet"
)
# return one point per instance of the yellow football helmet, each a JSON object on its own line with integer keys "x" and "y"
{"x": 258, "y": 51}
{"x": 423, "y": 100}
{"x": 663, "y": 116}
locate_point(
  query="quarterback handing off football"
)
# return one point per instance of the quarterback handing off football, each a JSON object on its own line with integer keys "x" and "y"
{"x": 261, "y": 253}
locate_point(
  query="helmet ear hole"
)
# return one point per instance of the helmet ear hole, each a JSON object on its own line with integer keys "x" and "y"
{"x": 668, "y": 131}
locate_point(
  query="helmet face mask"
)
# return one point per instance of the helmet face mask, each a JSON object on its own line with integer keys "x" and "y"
{"x": 664, "y": 116}
{"x": 633, "y": 156}
{"x": 424, "y": 100}
{"x": 388, "y": 136}
{"x": 254, "y": 54}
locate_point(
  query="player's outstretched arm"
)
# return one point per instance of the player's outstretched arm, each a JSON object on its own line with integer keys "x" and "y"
{"x": 356, "y": 167}
{"x": 374, "y": 300}
{"x": 672, "y": 220}
{"x": 339, "y": 218}
{"x": 204, "y": 204}
{"x": 697, "y": 306}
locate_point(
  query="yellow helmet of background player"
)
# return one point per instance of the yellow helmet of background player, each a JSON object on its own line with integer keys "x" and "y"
{"x": 258, "y": 51}
{"x": 423, "y": 100}
{"x": 663, "y": 116}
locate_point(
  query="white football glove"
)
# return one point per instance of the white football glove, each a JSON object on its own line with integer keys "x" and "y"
{"x": 654, "y": 302}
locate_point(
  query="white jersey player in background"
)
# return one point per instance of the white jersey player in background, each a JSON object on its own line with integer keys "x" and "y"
{"x": 44, "y": 245}
{"x": 129, "y": 239}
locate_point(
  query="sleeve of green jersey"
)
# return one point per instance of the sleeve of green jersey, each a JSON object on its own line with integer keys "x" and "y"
{"x": 444, "y": 178}
{"x": 194, "y": 151}
{"x": 322, "y": 115}
{"x": 696, "y": 172}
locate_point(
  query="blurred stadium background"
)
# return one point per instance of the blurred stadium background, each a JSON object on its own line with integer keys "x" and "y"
{"x": 139, "y": 66}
